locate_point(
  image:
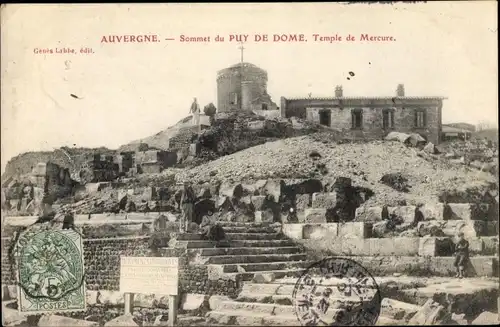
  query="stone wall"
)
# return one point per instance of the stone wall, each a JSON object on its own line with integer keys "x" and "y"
{"x": 269, "y": 114}
{"x": 102, "y": 266}
{"x": 8, "y": 276}
{"x": 372, "y": 115}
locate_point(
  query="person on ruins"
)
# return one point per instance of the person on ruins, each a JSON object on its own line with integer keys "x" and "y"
{"x": 195, "y": 110}
{"x": 461, "y": 255}
{"x": 187, "y": 206}
{"x": 212, "y": 231}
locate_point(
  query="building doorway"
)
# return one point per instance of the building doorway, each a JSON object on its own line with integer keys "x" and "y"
{"x": 325, "y": 117}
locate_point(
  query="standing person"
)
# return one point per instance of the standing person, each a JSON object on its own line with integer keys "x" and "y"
{"x": 461, "y": 255}
{"x": 195, "y": 110}
{"x": 187, "y": 206}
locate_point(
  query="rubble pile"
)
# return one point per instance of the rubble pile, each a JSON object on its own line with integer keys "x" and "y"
{"x": 238, "y": 131}
{"x": 364, "y": 163}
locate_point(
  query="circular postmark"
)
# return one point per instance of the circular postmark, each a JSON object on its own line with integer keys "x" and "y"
{"x": 50, "y": 265}
{"x": 336, "y": 292}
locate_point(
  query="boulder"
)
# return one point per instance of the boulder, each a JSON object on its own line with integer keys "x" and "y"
{"x": 451, "y": 228}
{"x": 396, "y": 136}
{"x": 272, "y": 188}
{"x": 434, "y": 211}
{"x": 263, "y": 278}
{"x": 430, "y": 148}
{"x": 258, "y": 201}
{"x": 319, "y": 231}
{"x": 302, "y": 186}
{"x": 265, "y": 216}
{"x": 142, "y": 207}
{"x": 405, "y": 214}
{"x": 371, "y": 213}
{"x": 124, "y": 320}
{"x": 380, "y": 229}
{"x": 415, "y": 140}
{"x": 457, "y": 319}
{"x": 11, "y": 317}
{"x": 486, "y": 318}
{"x": 224, "y": 203}
{"x": 214, "y": 300}
{"x": 204, "y": 193}
{"x": 315, "y": 215}
{"x": 254, "y": 188}
{"x": 55, "y": 320}
{"x": 398, "y": 310}
{"x": 324, "y": 200}
{"x": 111, "y": 298}
{"x": 429, "y": 314}
{"x": 194, "y": 302}
{"x": 231, "y": 190}
{"x": 245, "y": 204}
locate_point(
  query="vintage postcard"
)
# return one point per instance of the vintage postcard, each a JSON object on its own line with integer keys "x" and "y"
{"x": 287, "y": 164}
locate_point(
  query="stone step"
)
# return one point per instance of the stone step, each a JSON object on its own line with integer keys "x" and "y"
{"x": 250, "y": 224}
{"x": 248, "y": 276}
{"x": 479, "y": 266}
{"x": 235, "y": 243}
{"x": 255, "y": 258}
{"x": 249, "y": 318}
{"x": 282, "y": 299}
{"x": 246, "y": 251}
{"x": 266, "y": 266}
{"x": 284, "y": 288}
{"x": 410, "y": 246}
{"x": 250, "y": 229}
{"x": 255, "y": 307}
{"x": 287, "y": 299}
{"x": 233, "y": 236}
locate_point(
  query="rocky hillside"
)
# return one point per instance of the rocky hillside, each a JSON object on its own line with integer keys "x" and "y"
{"x": 71, "y": 158}
{"x": 365, "y": 163}
{"x": 161, "y": 139}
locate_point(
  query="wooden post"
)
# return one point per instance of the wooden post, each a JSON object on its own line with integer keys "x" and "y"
{"x": 172, "y": 310}
{"x": 129, "y": 303}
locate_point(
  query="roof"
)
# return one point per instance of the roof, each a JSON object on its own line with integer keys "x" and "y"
{"x": 245, "y": 64}
{"x": 375, "y": 98}
{"x": 449, "y": 129}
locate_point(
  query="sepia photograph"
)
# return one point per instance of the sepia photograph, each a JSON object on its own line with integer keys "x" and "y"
{"x": 250, "y": 164}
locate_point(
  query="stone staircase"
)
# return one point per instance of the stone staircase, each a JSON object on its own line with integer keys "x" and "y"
{"x": 272, "y": 251}
{"x": 251, "y": 248}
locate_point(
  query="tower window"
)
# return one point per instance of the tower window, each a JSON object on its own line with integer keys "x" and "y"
{"x": 234, "y": 98}
{"x": 264, "y": 106}
{"x": 357, "y": 118}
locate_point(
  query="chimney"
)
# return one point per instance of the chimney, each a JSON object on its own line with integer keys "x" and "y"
{"x": 400, "y": 91}
{"x": 338, "y": 91}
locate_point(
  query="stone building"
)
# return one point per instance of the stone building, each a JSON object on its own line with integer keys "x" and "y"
{"x": 371, "y": 117}
{"x": 243, "y": 87}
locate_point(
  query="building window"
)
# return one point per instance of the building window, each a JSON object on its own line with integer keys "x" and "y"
{"x": 234, "y": 98}
{"x": 388, "y": 118}
{"x": 325, "y": 117}
{"x": 264, "y": 106}
{"x": 420, "y": 118}
{"x": 357, "y": 118}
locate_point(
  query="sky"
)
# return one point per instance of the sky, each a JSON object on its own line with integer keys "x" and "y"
{"x": 127, "y": 91}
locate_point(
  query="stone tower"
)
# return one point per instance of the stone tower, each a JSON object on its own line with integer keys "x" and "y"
{"x": 243, "y": 87}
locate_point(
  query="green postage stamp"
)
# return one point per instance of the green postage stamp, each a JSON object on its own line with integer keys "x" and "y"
{"x": 50, "y": 271}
